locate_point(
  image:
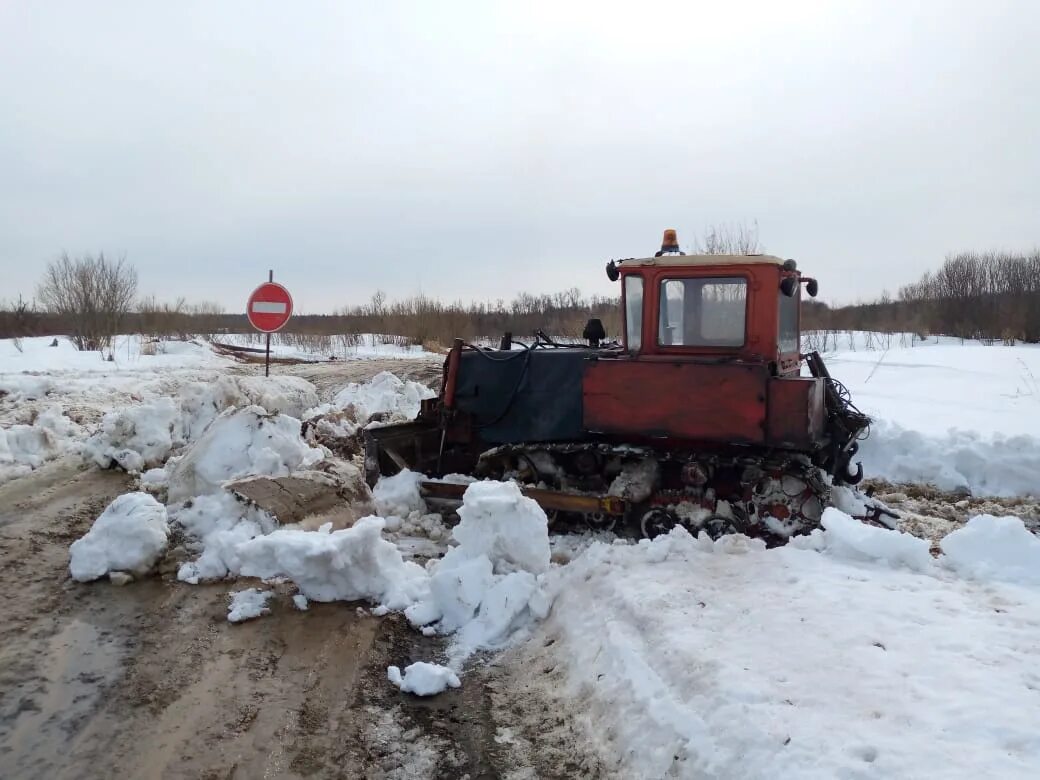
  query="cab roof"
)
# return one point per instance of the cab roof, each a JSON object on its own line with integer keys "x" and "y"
{"x": 695, "y": 260}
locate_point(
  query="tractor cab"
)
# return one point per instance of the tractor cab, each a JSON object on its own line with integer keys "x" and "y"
{"x": 712, "y": 307}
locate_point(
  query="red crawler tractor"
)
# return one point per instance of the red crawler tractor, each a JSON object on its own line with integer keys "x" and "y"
{"x": 700, "y": 416}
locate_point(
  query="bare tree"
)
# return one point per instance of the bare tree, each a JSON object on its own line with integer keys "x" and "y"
{"x": 730, "y": 239}
{"x": 91, "y": 294}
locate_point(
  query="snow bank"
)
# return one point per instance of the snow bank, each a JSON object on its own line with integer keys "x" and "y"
{"x": 217, "y": 525}
{"x": 959, "y": 461}
{"x": 349, "y": 565}
{"x": 27, "y": 447}
{"x": 849, "y": 538}
{"x": 682, "y": 657}
{"x": 248, "y": 604}
{"x": 130, "y": 535}
{"x": 423, "y": 679}
{"x": 143, "y": 436}
{"x": 994, "y": 548}
{"x": 957, "y": 414}
{"x": 240, "y": 443}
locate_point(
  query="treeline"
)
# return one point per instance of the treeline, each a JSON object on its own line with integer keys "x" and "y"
{"x": 416, "y": 320}
{"x": 424, "y": 320}
{"x": 973, "y": 295}
{"x": 989, "y": 295}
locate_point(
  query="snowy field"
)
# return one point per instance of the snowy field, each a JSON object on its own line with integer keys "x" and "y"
{"x": 854, "y": 652}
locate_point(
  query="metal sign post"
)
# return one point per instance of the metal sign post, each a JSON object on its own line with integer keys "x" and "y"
{"x": 269, "y": 309}
{"x": 267, "y": 353}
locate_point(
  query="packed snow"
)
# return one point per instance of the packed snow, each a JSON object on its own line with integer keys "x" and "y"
{"x": 129, "y": 536}
{"x": 248, "y": 604}
{"x": 684, "y": 657}
{"x": 423, "y": 679}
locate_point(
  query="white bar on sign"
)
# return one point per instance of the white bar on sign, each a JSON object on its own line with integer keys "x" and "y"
{"x": 268, "y": 307}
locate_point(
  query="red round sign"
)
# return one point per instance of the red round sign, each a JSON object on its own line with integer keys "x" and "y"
{"x": 269, "y": 307}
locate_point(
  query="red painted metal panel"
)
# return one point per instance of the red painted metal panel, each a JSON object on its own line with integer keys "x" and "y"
{"x": 723, "y": 403}
{"x": 796, "y": 416}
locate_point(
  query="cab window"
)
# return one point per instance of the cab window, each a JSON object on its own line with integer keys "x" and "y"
{"x": 788, "y": 326}
{"x": 704, "y": 312}
{"x": 634, "y": 312}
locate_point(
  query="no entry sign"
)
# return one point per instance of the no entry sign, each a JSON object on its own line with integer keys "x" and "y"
{"x": 269, "y": 307}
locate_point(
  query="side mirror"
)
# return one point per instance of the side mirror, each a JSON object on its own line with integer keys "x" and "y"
{"x": 812, "y": 287}
{"x": 788, "y": 285}
{"x": 612, "y": 271}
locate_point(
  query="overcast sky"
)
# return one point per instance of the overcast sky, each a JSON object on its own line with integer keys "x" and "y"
{"x": 474, "y": 150}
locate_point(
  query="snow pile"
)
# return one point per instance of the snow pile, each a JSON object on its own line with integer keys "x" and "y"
{"x": 27, "y": 447}
{"x": 501, "y": 524}
{"x": 129, "y": 536}
{"x": 423, "y": 679}
{"x": 487, "y": 587}
{"x": 349, "y": 565}
{"x": 682, "y": 657}
{"x": 240, "y": 443}
{"x": 384, "y": 395}
{"x": 849, "y": 538}
{"x": 398, "y": 496}
{"x": 994, "y": 548}
{"x": 483, "y": 591}
{"x": 217, "y": 525}
{"x": 143, "y": 436}
{"x": 137, "y": 437}
{"x": 248, "y": 604}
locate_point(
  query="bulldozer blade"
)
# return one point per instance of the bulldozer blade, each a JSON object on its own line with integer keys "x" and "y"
{"x": 547, "y": 499}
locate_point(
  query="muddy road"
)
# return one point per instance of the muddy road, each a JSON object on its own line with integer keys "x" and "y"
{"x": 149, "y": 680}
